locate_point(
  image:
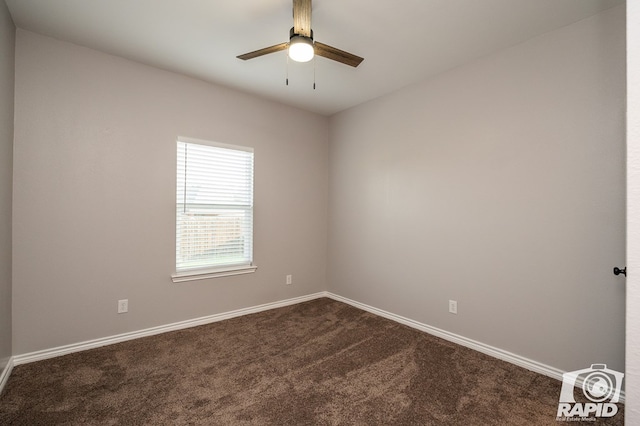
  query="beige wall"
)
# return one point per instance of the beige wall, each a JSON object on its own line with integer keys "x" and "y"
{"x": 7, "y": 49}
{"x": 499, "y": 184}
{"x": 94, "y": 185}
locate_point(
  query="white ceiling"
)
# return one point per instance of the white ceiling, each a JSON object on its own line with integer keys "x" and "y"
{"x": 402, "y": 41}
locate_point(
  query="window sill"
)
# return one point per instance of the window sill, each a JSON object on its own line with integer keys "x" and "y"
{"x": 203, "y": 274}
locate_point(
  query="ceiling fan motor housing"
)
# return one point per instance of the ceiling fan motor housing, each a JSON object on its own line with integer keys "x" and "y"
{"x": 293, "y": 34}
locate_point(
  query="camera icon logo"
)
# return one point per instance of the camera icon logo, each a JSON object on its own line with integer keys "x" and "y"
{"x": 598, "y": 384}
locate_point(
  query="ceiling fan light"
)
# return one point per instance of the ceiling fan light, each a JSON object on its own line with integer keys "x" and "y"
{"x": 300, "y": 49}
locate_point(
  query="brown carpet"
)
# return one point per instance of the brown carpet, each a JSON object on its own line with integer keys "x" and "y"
{"x": 316, "y": 363}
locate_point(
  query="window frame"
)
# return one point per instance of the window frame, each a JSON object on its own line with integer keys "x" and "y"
{"x": 207, "y": 272}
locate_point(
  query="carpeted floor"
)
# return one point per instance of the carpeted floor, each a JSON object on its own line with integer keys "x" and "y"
{"x": 317, "y": 363}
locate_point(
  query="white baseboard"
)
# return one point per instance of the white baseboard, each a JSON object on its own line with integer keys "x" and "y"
{"x": 503, "y": 355}
{"x": 5, "y": 373}
{"x": 460, "y": 340}
{"x": 492, "y": 351}
{"x": 96, "y": 343}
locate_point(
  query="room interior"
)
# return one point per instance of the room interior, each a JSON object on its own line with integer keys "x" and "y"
{"x": 495, "y": 178}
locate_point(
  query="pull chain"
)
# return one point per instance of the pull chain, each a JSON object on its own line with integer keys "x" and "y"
{"x": 314, "y": 72}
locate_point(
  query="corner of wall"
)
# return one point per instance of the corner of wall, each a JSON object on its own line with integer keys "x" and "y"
{"x": 7, "y": 85}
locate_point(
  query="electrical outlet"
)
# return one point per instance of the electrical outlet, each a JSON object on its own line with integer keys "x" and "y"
{"x": 123, "y": 306}
{"x": 289, "y": 280}
{"x": 453, "y": 306}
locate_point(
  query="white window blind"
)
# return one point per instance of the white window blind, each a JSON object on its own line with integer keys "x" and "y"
{"x": 214, "y": 206}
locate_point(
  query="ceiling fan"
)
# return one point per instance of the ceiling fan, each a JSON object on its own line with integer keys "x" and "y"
{"x": 301, "y": 45}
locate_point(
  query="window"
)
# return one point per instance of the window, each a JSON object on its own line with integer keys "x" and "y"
{"x": 214, "y": 210}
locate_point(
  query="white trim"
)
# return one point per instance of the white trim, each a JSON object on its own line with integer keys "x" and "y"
{"x": 203, "y": 274}
{"x": 5, "y": 373}
{"x": 492, "y": 351}
{"x": 187, "y": 139}
{"x": 96, "y": 343}
{"x": 460, "y": 340}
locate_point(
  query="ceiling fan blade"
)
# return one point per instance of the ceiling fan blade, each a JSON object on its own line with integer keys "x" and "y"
{"x": 341, "y": 56}
{"x": 302, "y": 17}
{"x": 265, "y": 51}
